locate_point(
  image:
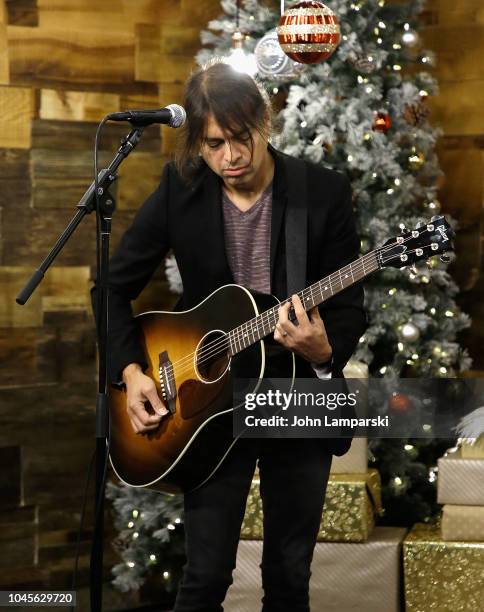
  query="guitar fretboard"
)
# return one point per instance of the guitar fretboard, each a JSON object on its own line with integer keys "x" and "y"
{"x": 264, "y": 324}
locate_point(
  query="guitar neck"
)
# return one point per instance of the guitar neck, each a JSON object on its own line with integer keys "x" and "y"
{"x": 264, "y": 324}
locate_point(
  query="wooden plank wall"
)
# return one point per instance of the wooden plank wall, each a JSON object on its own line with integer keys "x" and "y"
{"x": 64, "y": 64}
{"x": 455, "y": 32}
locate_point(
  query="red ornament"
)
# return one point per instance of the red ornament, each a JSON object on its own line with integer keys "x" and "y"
{"x": 309, "y": 32}
{"x": 399, "y": 403}
{"x": 382, "y": 122}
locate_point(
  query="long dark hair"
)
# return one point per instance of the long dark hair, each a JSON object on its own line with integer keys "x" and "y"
{"x": 237, "y": 102}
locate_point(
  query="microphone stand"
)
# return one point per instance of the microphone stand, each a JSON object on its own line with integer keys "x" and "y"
{"x": 107, "y": 206}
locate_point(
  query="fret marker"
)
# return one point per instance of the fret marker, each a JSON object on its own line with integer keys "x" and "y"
{"x": 346, "y": 276}
{"x": 325, "y": 288}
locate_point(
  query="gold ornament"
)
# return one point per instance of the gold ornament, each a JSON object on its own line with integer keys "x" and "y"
{"x": 416, "y": 160}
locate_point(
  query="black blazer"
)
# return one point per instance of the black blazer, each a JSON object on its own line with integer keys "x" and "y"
{"x": 189, "y": 220}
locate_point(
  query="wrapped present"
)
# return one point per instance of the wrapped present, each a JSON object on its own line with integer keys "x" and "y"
{"x": 355, "y": 369}
{"x": 252, "y": 527}
{"x": 355, "y": 461}
{"x": 442, "y": 576}
{"x": 349, "y": 508}
{"x": 460, "y": 480}
{"x": 472, "y": 448}
{"x": 345, "y": 577}
{"x": 465, "y": 523}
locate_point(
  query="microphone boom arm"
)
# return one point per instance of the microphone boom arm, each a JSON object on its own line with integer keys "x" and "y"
{"x": 86, "y": 205}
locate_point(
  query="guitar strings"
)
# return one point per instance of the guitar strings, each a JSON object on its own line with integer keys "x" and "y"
{"x": 264, "y": 315}
{"x": 221, "y": 344}
{"x": 212, "y": 348}
{"x": 205, "y": 352}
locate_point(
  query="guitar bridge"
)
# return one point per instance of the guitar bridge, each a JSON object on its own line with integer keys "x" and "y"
{"x": 167, "y": 381}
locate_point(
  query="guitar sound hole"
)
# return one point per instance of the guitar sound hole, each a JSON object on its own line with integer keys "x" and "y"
{"x": 212, "y": 356}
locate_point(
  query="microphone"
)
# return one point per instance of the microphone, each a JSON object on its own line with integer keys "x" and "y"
{"x": 173, "y": 115}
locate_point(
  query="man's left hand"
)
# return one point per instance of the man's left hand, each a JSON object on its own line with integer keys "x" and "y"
{"x": 308, "y": 339}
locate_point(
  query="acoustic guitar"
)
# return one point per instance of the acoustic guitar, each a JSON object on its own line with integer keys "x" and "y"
{"x": 194, "y": 355}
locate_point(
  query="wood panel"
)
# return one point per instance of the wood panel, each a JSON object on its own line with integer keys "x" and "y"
{"x": 4, "y": 64}
{"x": 456, "y": 62}
{"x": 455, "y": 32}
{"x": 15, "y": 184}
{"x": 68, "y": 58}
{"x": 463, "y": 185}
{"x": 458, "y": 107}
{"x": 450, "y": 12}
{"x": 10, "y": 478}
{"x": 12, "y": 280}
{"x": 138, "y": 178}
{"x": 22, "y": 12}
{"x": 16, "y": 113}
{"x": 64, "y": 64}
{"x": 147, "y": 52}
{"x": 76, "y": 105}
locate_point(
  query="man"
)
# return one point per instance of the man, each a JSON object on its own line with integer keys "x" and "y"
{"x": 221, "y": 208}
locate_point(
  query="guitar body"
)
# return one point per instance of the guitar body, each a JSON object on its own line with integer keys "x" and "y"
{"x": 193, "y": 440}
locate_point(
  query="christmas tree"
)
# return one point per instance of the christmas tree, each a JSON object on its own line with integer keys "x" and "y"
{"x": 362, "y": 112}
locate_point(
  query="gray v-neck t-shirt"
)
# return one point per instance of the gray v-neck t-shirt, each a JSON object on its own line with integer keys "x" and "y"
{"x": 248, "y": 241}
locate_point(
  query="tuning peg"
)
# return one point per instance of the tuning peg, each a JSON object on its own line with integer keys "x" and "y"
{"x": 444, "y": 258}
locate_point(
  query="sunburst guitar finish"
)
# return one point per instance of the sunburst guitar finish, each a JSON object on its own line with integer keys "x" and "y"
{"x": 192, "y": 441}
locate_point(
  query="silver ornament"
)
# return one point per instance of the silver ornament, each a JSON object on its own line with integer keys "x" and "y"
{"x": 434, "y": 206}
{"x": 410, "y": 38}
{"x": 409, "y": 332}
{"x": 272, "y": 62}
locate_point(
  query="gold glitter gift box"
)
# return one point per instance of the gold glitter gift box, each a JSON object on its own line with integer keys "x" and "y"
{"x": 442, "y": 576}
{"x": 349, "y": 509}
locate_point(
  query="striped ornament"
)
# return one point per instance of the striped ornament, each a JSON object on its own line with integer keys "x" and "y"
{"x": 308, "y": 32}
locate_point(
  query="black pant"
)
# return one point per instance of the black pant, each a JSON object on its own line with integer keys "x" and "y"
{"x": 294, "y": 475}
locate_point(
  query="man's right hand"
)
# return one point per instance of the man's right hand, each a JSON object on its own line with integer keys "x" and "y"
{"x": 141, "y": 389}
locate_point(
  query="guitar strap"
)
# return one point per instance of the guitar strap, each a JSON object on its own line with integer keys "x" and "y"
{"x": 296, "y": 225}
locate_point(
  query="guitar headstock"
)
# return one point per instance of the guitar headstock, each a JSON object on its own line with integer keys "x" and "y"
{"x": 423, "y": 242}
